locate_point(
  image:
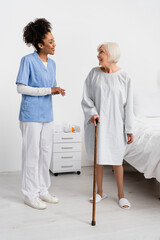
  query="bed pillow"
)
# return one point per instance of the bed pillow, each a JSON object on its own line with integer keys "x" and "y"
{"x": 146, "y": 104}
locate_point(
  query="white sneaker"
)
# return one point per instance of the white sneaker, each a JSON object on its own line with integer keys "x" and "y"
{"x": 49, "y": 198}
{"x": 35, "y": 203}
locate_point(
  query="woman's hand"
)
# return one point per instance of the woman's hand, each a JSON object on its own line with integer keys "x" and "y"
{"x": 130, "y": 137}
{"x": 58, "y": 90}
{"x": 93, "y": 119}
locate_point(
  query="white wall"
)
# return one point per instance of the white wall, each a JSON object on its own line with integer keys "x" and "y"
{"x": 78, "y": 27}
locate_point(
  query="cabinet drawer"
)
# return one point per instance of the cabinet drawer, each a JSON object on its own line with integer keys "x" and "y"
{"x": 68, "y": 166}
{"x": 66, "y": 147}
{"x": 66, "y": 137}
{"x": 71, "y": 156}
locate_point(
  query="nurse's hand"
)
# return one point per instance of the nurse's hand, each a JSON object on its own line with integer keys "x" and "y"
{"x": 58, "y": 90}
{"x": 93, "y": 119}
{"x": 130, "y": 137}
{"x": 63, "y": 93}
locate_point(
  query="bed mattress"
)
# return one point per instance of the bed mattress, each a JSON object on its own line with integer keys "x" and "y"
{"x": 144, "y": 153}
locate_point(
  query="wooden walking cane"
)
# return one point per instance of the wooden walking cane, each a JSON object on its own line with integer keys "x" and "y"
{"x": 93, "y": 223}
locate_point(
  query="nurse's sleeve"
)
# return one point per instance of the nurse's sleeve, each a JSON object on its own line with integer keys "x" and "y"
{"x": 24, "y": 72}
{"x": 87, "y": 103}
{"x": 128, "y": 109}
{"x": 33, "y": 91}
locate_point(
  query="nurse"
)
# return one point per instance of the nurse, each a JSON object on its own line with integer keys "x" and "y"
{"x": 36, "y": 81}
{"x": 108, "y": 96}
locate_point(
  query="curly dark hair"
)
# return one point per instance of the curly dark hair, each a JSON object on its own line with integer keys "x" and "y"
{"x": 34, "y": 32}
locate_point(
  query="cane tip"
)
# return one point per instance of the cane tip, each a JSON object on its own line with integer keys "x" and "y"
{"x": 93, "y": 223}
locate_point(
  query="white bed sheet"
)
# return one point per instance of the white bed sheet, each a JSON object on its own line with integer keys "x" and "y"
{"x": 144, "y": 152}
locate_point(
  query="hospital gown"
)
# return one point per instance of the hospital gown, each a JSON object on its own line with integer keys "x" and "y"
{"x": 110, "y": 96}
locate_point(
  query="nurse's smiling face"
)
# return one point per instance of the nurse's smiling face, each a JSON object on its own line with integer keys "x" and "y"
{"x": 102, "y": 56}
{"x": 48, "y": 46}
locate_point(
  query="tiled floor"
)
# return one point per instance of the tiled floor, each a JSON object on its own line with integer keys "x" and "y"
{"x": 71, "y": 218}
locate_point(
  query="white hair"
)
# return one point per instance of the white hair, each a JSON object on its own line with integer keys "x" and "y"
{"x": 112, "y": 49}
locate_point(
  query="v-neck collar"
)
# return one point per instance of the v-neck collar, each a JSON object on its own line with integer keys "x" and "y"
{"x": 41, "y": 62}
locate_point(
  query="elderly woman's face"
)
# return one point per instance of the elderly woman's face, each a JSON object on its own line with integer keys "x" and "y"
{"x": 102, "y": 56}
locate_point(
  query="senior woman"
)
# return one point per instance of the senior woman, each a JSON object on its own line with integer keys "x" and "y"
{"x": 108, "y": 96}
{"x": 36, "y": 81}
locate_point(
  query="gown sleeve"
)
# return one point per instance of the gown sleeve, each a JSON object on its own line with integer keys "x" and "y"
{"x": 128, "y": 109}
{"x": 87, "y": 103}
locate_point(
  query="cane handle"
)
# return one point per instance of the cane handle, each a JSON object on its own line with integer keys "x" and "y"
{"x": 97, "y": 119}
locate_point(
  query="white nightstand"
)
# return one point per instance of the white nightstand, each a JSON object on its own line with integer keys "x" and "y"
{"x": 66, "y": 155}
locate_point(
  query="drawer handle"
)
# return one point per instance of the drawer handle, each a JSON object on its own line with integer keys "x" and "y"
{"x": 67, "y": 166}
{"x": 67, "y": 138}
{"x": 68, "y": 157}
{"x": 66, "y": 147}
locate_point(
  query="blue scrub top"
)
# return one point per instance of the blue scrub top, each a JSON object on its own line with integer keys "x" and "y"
{"x": 33, "y": 73}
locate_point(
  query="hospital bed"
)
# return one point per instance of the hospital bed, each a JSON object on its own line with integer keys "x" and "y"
{"x": 144, "y": 153}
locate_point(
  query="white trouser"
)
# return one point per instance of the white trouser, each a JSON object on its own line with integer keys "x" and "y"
{"x": 36, "y": 157}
